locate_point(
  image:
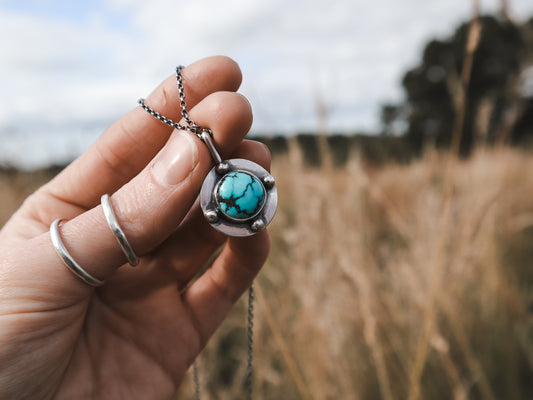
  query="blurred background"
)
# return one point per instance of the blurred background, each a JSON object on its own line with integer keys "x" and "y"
{"x": 402, "y": 139}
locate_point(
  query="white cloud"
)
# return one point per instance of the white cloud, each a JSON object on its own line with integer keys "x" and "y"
{"x": 62, "y": 74}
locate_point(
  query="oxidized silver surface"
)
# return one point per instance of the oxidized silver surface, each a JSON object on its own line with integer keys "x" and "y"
{"x": 228, "y": 225}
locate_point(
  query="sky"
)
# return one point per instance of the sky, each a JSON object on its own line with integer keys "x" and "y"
{"x": 70, "y": 68}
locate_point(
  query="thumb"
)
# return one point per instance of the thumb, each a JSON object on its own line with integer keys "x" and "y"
{"x": 149, "y": 208}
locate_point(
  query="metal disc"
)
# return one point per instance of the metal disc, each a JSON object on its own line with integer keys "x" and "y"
{"x": 225, "y": 224}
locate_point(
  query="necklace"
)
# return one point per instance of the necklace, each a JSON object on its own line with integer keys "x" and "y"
{"x": 238, "y": 198}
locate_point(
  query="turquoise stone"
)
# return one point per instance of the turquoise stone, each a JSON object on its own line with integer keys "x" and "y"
{"x": 240, "y": 195}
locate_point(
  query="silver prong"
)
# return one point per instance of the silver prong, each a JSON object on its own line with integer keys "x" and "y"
{"x": 222, "y": 168}
{"x": 211, "y": 216}
{"x": 258, "y": 225}
{"x": 269, "y": 181}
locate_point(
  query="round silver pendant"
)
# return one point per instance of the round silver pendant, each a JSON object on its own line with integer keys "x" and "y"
{"x": 239, "y": 197}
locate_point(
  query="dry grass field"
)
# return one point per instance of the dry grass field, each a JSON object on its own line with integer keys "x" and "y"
{"x": 403, "y": 282}
{"x": 399, "y": 282}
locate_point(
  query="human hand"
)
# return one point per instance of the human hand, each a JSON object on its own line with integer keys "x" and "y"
{"x": 136, "y": 336}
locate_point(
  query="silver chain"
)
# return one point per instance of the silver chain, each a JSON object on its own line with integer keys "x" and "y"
{"x": 249, "y": 365}
{"x": 191, "y": 125}
{"x": 199, "y": 130}
{"x": 249, "y": 369}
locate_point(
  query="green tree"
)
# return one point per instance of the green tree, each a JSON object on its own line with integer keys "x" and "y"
{"x": 491, "y": 94}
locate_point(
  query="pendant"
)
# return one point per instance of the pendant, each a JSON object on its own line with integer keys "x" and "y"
{"x": 238, "y": 196}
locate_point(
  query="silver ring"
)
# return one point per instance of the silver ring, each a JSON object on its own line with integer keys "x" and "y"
{"x": 117, "y": 231}
{"x": 67, "y": 258}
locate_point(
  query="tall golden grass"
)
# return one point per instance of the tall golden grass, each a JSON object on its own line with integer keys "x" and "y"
{"x": 411, "y": 281}
{"x": 403, "y": 281}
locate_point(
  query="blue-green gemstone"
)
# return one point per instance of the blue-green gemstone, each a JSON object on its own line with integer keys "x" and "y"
{"x": 240, "y": 195}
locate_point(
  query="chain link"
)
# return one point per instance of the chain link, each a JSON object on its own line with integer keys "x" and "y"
{"x": 249, "y": 365}
{"x": 198, "y": 130}
{"x": 191, "y": 125}
{"x": 249, "y": 369}
{"x": 160, "y": 117}
{"x": 194, "y": 127}
{"x": 196, "y": 378}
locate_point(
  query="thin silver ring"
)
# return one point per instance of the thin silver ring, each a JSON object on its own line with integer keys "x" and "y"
{"x": 117, "y": 231}
{"x": 67, "y": 258}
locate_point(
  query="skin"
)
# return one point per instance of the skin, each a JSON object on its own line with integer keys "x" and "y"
{"x": 136, "y": 336}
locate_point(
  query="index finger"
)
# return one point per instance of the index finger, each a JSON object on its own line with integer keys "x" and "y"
{"x": 131, "y": 142}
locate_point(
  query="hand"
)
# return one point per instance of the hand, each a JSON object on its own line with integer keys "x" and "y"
{"x": 136, "y": 336}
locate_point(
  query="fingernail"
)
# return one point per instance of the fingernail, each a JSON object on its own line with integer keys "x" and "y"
{"x": 176, "y": 161}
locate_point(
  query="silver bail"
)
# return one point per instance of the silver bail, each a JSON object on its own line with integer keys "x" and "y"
{"x": 207, "y": 139}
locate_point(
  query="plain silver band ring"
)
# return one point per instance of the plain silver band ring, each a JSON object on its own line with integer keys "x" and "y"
{"x": 117, "y": 231}
{"x": 67, "y": 258}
